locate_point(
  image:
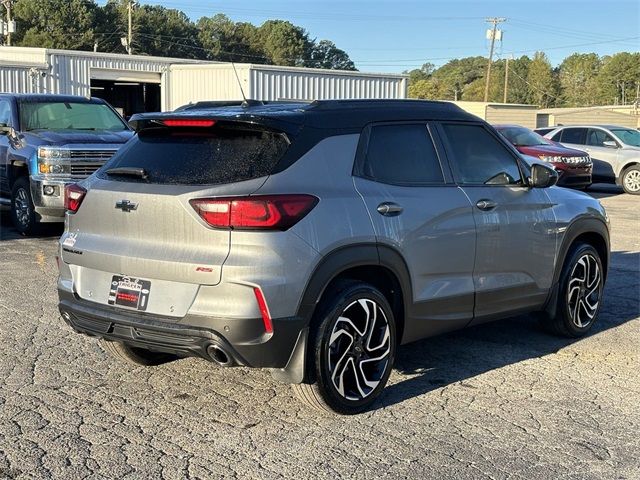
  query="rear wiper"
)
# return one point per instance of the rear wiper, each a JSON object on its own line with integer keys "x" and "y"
{"x": 129, "y": 171}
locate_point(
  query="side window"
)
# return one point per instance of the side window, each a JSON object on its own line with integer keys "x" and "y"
{"x": 5, "y": 112}
{"x": 574, "y": 135}
{"x": 480, "y": 158}
{"x": 402, "y": 155}
{"x": 597, "y": 138}
{"x": 556, "y": 137}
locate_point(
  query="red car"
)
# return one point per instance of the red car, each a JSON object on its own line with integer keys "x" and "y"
{"x": 574, "y": 167}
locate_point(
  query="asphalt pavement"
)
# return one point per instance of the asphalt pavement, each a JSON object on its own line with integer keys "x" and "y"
{"x": 503, "y": 400}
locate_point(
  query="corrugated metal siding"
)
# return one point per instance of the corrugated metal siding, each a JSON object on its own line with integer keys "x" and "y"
{"x": 192, "y": 83}
{"x": 19, "y": 80}
{"x": 523, "y": 116}
{"x": 36, "y": 56}
{"x": 303, "y": 84}
{"x": 595, "y": 116}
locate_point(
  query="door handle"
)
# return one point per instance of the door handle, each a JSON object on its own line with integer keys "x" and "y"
{"x": 389, "y": 209}
{"x": 486, "y": 204}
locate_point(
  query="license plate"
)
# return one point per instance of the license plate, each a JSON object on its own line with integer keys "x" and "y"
{"x": 129, "y": 292}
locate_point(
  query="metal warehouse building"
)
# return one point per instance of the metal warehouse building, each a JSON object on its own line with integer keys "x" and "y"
{"x": 627, "y": 116}
{"x": 502, "y": 113}
{"x": 136, "y": 83}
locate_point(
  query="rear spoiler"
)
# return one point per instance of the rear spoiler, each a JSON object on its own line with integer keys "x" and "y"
{"x": 195, "y": 119}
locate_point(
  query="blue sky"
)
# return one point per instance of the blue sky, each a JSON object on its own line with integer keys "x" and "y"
{"x": 392, "y": 36}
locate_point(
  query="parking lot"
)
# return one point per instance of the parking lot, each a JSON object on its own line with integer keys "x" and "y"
{"x": 503, "y": 400}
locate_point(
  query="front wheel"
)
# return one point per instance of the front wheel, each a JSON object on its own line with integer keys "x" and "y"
{"x": 580, "y": 293}
{"x": 631, "y": 180}
{"x": 352, "y": 349}
{"x": 22, "y": 211}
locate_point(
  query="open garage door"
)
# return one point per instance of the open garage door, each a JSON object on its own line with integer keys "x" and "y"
{"x": 128, "y": 92}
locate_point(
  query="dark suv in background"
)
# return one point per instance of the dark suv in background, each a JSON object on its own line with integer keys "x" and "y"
{"x": 574, "y": 167}
{"x": 314, "y": 239}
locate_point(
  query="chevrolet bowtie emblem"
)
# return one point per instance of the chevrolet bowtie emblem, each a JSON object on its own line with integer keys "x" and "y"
{"x": 126, "y": 205}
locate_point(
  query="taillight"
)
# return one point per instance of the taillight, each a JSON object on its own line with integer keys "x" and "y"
{"x": 179, "y": 122}
{"x": 73, "y": 196}
{"x": 260, "y": 212}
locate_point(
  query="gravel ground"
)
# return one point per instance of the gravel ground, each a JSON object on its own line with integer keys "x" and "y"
{"x": 502, "y": 400}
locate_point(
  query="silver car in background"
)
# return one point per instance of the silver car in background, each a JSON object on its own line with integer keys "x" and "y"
{"x": 314, "y": 239}
{"x": 614, "y": 150}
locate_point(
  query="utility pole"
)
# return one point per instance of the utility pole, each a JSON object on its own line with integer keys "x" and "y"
{"x": 492, "y": 33}
{"x": 130, "y": 36}
{"x": 10, "y": 27}
{"x": 506, "y": 81}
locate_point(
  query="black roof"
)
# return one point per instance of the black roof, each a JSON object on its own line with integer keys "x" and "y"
{"x": 48, "y": 97}
{"x": 334, "y": 114}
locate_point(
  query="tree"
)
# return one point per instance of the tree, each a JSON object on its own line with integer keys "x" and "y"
{"x": 422, "y": 73}
{"x": 541, "y": 81}
{"x": 226, "y": 40}
{"x": 325, "y": 54}
{"x": 284, "y": 43}
{"x": 427, "y": 89}
{"x": 618, "y": 78}
{"x": 65, "y": 24}
{"x": 577, "y": 76}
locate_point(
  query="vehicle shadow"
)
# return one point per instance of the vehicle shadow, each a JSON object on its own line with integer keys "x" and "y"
{"x": 604, "y": 190}
{"x": 8, "y": 232}
{"x": 448, "y": 359}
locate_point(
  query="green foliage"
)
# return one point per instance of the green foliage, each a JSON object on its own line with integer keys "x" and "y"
{"x": 578, "y": 75}
{"x": 541, "y": 81}
{"x": 79, "y": 24}
{"x": 55, "y": 23}
{"x": 325, "y": 54}
{"x": 619, "y": 74}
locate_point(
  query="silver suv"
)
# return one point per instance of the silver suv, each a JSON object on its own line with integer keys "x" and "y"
{"x": 314, "y": 239}
{"x": 615, "y": 152}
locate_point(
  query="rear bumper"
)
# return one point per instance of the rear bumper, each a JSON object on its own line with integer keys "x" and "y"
{"x": 243, "y": 340}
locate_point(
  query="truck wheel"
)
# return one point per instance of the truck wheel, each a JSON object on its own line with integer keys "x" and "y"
{"x": 580, "y": 293}
{"x": 22, "y": 211}
{"x": 352, "y": 350}
{"x": 631, "y": 180}
{"x": 136, "y": 356}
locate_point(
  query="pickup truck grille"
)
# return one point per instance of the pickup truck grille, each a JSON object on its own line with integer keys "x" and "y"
{"x": 84, "y": 169}
{"x": 105, "y": 154}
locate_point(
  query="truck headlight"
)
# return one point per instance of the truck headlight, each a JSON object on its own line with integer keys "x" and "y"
{"x": 550, "y": 158}
{"x": 54, "y": 168}
{"x": 51, "y": 161}
{"x": 53, "y": 153}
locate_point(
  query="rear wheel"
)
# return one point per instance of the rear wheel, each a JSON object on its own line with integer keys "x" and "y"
{"x": 631, "y": 180}
{"x": 136, "y": 356}
{"x": 351, "y": 350}
{"x": 22, "y": 211}
{"x": 580, "y": 293}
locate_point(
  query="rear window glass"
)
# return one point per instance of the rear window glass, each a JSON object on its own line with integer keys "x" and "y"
{"x": 216, "y": 156}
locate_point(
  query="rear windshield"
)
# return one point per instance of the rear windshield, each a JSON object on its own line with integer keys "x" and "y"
{"x": 69, "y": 116}
{"x": 201, "y": 157}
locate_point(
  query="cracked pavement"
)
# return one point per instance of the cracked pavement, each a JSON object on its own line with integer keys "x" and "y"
{"x": 501, "y": 400}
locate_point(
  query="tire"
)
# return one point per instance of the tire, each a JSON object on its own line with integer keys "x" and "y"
{"x": 135, "y": 356}
{"x": 579, "y": 294}
{"x": 22, "y": 211}
{"x": 630, "y": 180}
{"x": 353, "y": 328}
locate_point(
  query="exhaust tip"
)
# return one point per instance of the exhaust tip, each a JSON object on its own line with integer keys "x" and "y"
{"x": 218, "y": 355}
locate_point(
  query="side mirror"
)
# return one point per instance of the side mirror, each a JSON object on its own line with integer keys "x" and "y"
{"x": 610, "y": 144}
{"x": 542, "y": 176}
